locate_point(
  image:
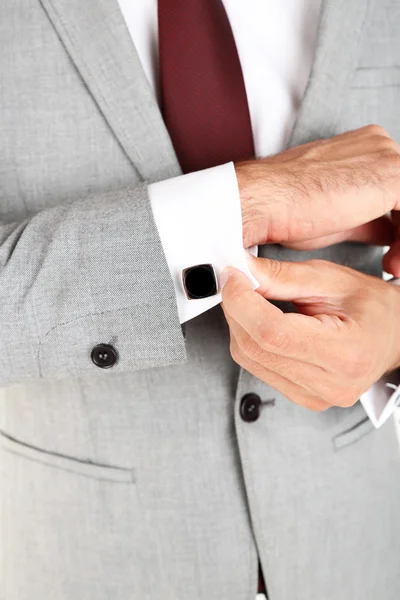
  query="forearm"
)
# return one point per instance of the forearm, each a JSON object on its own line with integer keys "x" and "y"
{"x": 88, "y": 272}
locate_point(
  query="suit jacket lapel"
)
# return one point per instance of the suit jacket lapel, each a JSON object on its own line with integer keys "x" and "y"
{"x": 96, "y": 37}
{"x": 341, "y": 26}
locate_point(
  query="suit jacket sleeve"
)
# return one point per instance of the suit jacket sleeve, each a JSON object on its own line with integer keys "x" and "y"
{"x": 87, "y": 272}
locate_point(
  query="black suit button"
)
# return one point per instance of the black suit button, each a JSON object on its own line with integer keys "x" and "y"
{"x": 104, "y": 356}
{"x": 250, "y": 406}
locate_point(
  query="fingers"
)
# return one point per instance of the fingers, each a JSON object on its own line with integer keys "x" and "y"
{"x": 302, "y": 372}
{"x": 307, "y": 357}
{"x": 262, "y": 320}
{"x": 355, "y": 138}
{"x": 292, "y": 391}
{"x": 287, "y": 335}
{"x": 294, "y": 282}
{"x": 391, "y": 260}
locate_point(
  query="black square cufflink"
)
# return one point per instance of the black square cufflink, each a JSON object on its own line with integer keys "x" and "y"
{"x": 199, "y": 282}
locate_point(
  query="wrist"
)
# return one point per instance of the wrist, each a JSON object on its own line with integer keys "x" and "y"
{"x": 263, "y": 197}
{"x": 249, "y": 183}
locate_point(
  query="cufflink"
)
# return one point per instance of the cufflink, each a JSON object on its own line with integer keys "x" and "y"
{"x": 199, "y": 282}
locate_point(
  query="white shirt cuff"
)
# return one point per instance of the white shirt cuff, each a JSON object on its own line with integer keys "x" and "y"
{"x": 199, "y": 220}
{"x": 381, "y": 400}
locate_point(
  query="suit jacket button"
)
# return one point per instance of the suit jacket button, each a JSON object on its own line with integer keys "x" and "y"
{"x": 250, "y": 406}
{"x": 104, "y": 356}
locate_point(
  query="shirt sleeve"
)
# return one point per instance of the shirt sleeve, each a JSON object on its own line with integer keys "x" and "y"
{"x": 381, "y": 400}
{"x": 199, "y": 221}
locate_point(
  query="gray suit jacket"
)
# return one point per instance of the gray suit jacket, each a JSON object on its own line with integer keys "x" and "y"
{"x": 143, "y": 482}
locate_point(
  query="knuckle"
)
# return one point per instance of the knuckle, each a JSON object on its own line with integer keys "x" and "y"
{"x": 247, "y": 347}
{"x": 375, "y": 130}
{"x": 252, "y": 350}
{"x": 342, "y": 395}
{"x": 348, "y": 398}
{"x": 385, "y": 145}
{"x": 335, "y": 392}
{"x": 390, "y": 155}
{"x": 276, "y": 340}
{"x": 274, "y": 268}
{"x": 391, "y": 144}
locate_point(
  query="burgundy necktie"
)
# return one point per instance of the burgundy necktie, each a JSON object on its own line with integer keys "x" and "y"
{"x": 203, "y": 96}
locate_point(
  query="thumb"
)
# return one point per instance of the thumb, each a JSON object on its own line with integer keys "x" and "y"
{"x": 241, "y": 300}
{"x": 267, "y": 325}
{"x": 290, "y": 281}
{"x": 234, "y": 275}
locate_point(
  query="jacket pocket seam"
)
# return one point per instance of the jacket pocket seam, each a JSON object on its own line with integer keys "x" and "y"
{"x": 68, "y": 464}
{"x": 353, "y": 434}
{"x": 376, "y": 78}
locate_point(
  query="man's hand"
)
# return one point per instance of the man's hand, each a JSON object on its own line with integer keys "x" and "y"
{"x": 323, "y": 192}
{"x": 391, "y": 260}
{"x": 345, "y": 336}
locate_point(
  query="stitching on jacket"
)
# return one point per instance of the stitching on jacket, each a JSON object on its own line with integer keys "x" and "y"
{"x": 337, "y": 445}
{"x": 64, "y": 457}
{"x": 72, "y": 471}
{"x": 88, "y": 315}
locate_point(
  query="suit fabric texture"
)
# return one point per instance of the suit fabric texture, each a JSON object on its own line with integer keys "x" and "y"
{"x": 143, "y": 481}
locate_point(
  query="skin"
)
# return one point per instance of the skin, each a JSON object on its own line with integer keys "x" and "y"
{"x": 343, "y": 337}
{"x": 391, "y": 260}
{"x": 324, "y": 192}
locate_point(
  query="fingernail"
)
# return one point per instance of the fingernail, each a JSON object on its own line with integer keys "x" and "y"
{"x": 224, "y": 278}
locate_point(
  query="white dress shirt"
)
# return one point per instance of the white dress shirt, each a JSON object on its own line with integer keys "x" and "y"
{"x": 276, "y": 45}
{"x": 276, "y": 66}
